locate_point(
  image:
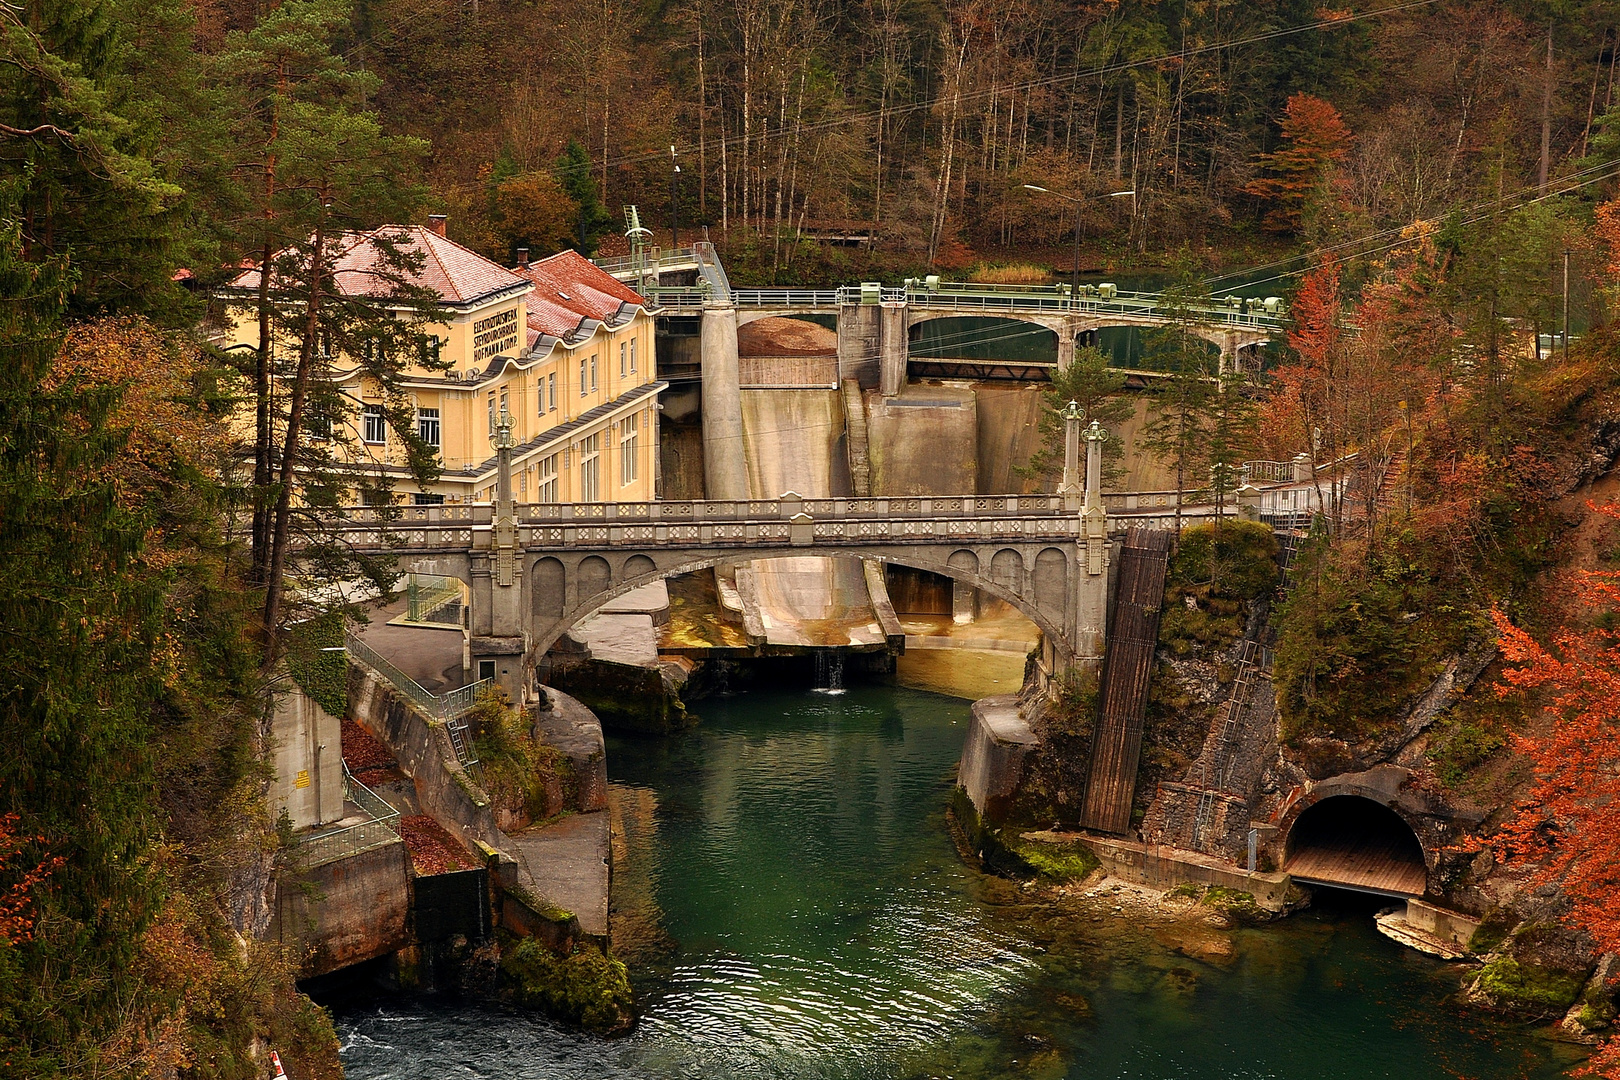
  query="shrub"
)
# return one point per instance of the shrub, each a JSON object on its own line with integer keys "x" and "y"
{"x": 585, "y": 987}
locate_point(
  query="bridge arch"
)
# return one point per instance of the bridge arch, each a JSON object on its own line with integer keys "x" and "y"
{"x": 961, "y": 564}
{"x": 1347, "y": 837}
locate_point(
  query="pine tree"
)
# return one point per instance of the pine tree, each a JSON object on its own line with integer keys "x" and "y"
{"x": 1099, "y": 390}
{"x": 573, "y": 171}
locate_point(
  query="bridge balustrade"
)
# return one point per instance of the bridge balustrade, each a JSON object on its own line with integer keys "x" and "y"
{"x": 1037, "y": 299}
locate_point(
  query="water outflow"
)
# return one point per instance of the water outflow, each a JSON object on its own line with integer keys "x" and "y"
{"x": 829, "y": 671}
{"x": 803, "y": 915}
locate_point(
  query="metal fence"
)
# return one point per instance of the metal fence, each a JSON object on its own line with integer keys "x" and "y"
{"x": 449, "y": 707}
{"x": 379, "y": 830}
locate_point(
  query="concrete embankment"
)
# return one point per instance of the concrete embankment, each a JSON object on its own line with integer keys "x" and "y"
{"x": 419, "y": 888}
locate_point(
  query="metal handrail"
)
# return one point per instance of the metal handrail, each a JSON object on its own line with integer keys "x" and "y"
{"x": 447, "y": 707}
{"x": 426, "y": 594}
{"x": 335, "y": 844}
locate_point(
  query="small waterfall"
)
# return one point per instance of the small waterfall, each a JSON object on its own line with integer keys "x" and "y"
{"x": 829, "y": 671}
{"x": 720, "y": 669}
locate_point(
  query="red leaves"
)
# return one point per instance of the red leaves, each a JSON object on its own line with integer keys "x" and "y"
{"x": 1317, "y": 139}
{"x": 1567, "y": 832}
{"x": 16, "y": 901}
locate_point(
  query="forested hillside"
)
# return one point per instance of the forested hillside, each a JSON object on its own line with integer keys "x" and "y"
{"x": 149, "y": 149}
{"x": 925, "y": 119}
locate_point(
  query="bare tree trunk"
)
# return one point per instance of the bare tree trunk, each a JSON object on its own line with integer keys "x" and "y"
{"x": 703, "y": 117}
{"x": 1546, "y": 117}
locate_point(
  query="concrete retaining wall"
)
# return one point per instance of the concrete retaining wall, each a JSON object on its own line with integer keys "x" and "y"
{"x": 347, "y": 911}
{"x": 1165, "y": 868}
{"x": 993, "y": 755}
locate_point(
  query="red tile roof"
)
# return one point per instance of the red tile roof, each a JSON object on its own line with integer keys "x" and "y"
{"x": 568, "y": 288}
{"x": 456, "y": 274}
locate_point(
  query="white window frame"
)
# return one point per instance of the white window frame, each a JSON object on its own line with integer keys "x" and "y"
{"x": 593, "y": 372}
{"x": 373, "y": 422}
{"x": 427, "y": 420}
{"x": 583, "y": 388}
{"x": 632, "y": 356}
{"x": 624, "y": 360}
{"x": 590, "y": 468}
{"x": 630, "y": 450}
{"x": 546, "y": 490}
{"x": 551, "y": 391}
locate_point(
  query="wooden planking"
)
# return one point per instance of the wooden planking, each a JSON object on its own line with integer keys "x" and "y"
{"x": 1133, "y": 634}
{"x": 1371, "y": 863}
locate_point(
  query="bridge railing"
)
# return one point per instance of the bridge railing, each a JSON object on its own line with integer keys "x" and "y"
{"x": 1037, "y": 299}
{"x": 380, "y": 828}
{"x": 658, "y": 257}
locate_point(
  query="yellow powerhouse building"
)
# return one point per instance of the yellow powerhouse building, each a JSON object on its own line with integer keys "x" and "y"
{"x": 562, "y": 346}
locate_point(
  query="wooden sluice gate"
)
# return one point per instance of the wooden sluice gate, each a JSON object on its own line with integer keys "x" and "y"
{"x": 1133, "y": 634}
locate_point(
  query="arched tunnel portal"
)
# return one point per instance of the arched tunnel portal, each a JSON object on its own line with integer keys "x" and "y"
{"x": 1353, "y": 842}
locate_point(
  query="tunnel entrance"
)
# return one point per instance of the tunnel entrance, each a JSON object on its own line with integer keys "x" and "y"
{"x": 1351, "y": 842}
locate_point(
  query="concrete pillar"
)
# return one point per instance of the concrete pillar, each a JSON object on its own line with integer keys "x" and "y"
{"x": 1065, "y": 338}
{"x": 964, "y": 602}
{"x": 860, "y": 338}
{"x": 1071, "y": 488}
{"x": 725, "y": 468}
{"x": 896, "y": 345}
{"x": 1091, "y": 573}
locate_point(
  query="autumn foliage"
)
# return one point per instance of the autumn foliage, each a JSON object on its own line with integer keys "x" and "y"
{"x": 16, "y": 896}
{"x": 1567, "y": 831}
{"x": 1316, "y": 139}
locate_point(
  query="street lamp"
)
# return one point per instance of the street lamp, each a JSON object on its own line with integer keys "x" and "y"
{"x": 1077, "y": 200}
{"x": 674, "y": 209}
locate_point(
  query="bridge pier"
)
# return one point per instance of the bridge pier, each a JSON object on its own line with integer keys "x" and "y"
{"x": 860, "y": 344}
{"x": 725, "y": 467}
{"x": 1065, "y": 343}
{"x": 895, "y": 347}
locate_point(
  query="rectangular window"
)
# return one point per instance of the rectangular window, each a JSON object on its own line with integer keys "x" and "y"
{"x": 374, "y": 427}
{"x": 486, "y": 670}
{"x": 422, "y": 498}
{"x": 503, "y": 402}
{"x": 551, "y": 392}
{"x": 583, "y": 387}
{"x": 319, "y": 425}
{"x": 590, "y": 469}
{"x": 547, "y": 491}
{"x": 427, "y": 426}
{"x": 624, "y": 360}
{"x": 593, "y": 371}
{"x": 374, "y": 497}
{"x": 492, "y": 412}
{"x": 629, "y": 450}
{"x": 632, "y": 356}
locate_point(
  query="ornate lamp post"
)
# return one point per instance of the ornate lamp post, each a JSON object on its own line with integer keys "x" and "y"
{"x": 1071, "y": 486}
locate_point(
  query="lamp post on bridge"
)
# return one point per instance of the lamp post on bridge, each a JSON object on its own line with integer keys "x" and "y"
{"x": 1070, "y": 488}
{"x": 505, "y": 508}
{"x": 1078, "y": 200}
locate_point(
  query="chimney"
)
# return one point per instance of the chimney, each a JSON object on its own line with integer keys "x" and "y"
{"x": 523, "y": 257}
{"x": 436, "y": 223}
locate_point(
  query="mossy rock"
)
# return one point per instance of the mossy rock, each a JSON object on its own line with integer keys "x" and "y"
{"x": 586, "y": 988}
{"x": 1525, "y": 989}
{"x": 1055, "y": 862}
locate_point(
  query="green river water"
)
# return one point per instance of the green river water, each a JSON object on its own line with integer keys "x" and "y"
{"x": 796, "y": 908}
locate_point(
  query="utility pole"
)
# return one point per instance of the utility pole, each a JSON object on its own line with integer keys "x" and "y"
{"x": 1566, "y": 305}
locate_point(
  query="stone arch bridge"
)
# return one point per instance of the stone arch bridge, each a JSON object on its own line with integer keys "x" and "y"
{"x": 540, "y": 570}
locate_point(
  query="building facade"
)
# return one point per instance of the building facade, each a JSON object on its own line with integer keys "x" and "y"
{"x": 561, "y": 346}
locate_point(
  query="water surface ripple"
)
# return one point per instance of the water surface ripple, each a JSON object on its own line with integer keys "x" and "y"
{"x": 794, "y": 908}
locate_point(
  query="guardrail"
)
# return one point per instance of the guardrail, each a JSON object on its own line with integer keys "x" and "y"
{"x": 381, "y": 830}
{"x": 655, "y": 257}
{"x": 449, "y": 707}
{"x": 1041, "y": 300}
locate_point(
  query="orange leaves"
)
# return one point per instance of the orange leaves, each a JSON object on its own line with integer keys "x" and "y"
{"x": 1567, "y": 832}
{"x": 1316, "y": 139}
{"x": 16, "y": 899}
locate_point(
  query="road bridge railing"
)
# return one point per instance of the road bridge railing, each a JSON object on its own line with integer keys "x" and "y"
{"x": 985, "y": 300}
{"x": 789, "y": 521}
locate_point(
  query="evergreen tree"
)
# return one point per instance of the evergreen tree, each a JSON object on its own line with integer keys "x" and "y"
{"x": 1099, "y": 390}
{"x": 573, "y": 170}
{"x": 1179, "y": 415}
